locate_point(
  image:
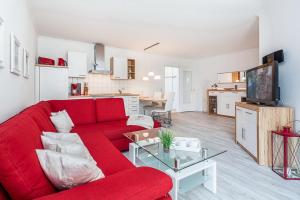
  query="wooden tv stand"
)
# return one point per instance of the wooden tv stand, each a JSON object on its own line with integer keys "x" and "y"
{"x": 253, "y": 126}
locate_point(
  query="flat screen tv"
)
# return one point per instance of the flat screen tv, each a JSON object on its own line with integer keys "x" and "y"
{"x": 262, "y": 84}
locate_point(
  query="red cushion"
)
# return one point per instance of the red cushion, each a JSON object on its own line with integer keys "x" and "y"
{"x": 108, "y": 158}
{"x": 20, "y": 171}
{"x": 40, "y": 117}
{"x": 81, "y": 111}
{"x": 110, "y": 109}
{"x": 142, "y": 183}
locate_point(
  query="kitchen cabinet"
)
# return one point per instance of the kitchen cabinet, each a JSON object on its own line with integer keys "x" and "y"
{"x": 119, "y": 68}
{"x": 131, "y": 104}
{"x": 51, "y": 83}
{"x": 77, "y": 63}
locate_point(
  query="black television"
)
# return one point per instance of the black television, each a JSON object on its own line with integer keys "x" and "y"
{"x": 262, "y": 84}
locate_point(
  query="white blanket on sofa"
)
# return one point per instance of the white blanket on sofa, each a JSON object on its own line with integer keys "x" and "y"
{"x": 141, "y": 120}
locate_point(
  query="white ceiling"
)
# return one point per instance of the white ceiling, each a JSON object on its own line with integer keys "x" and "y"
{"x": 185, "y": 28}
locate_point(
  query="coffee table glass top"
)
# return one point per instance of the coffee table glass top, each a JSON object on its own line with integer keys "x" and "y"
{"x": 174, "y": 159}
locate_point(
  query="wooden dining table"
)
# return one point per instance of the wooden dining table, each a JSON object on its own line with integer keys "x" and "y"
{"x": 149, "y": 100}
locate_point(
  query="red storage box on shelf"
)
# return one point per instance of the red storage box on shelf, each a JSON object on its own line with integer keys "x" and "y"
{"x": 286, "y": 153}
{"x": 46, "y": 61}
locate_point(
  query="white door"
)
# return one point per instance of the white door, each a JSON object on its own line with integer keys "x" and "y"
{"x": 239, "y": 125}
{"x": 187, "y": 91}
{"x": 172, "y": 84}
{"x": 250, "y": 133}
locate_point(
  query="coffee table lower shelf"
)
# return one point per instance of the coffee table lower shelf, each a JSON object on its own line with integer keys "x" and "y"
{"x": 208, "y": 168}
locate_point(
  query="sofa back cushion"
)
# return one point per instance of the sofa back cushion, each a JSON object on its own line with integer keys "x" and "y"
{"x": 20, "y": 171}
{"x": 40, "y": 117}
{"x": 110, "y": 109}
{"x": 45, "y": 106}
{"x": 81, "y": 111}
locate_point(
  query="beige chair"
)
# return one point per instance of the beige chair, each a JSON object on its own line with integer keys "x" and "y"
{"x": 153, "y": 105}
{"x": 164, "y": 116}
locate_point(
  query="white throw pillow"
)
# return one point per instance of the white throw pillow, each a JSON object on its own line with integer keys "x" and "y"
{"x": 66, "y": 115}
{"x": 61, "y": 122}
{"x": 66, "y": 171}
{"x": 70, "y": 137}
{"x": 67, "y": 147}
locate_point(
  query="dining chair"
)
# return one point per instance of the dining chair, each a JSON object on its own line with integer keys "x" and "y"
{"x": 154, "y": 104}
{"x": 164, "y": 116}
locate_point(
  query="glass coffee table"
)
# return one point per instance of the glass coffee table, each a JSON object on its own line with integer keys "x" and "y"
{"x": 178, "y": 164}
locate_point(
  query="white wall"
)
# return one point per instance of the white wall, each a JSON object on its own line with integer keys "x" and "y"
{"x": 280, "y": 29}
{"x": 16, "y": 91}
{"x": 208, "y": 68}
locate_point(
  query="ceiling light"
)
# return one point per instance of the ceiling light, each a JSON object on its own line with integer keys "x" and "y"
{"x": 157, "y": 77}
{"x": 151, "y": 74}
{"x": 145, "y": 78}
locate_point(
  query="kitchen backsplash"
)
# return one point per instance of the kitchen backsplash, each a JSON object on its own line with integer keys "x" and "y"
{"x": 99, "y": 83}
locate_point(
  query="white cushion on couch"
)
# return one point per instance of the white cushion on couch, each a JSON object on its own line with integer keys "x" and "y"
{"x": 66, "y": 171}
{"x": 67, "y": 147}
{"x": 62, "y": 121}
{"x": 70, "y": 137}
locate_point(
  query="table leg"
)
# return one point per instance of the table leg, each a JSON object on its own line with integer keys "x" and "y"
{"x": 132, "y": 153}
{"x": 211, "y": 183}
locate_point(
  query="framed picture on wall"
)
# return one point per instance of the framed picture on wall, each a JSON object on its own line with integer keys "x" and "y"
{"x": 15, "y": 55}
{"x": 1, "y": 43}
{"x": 26, "y": 73}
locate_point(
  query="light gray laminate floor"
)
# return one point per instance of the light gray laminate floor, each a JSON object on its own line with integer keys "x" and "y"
{"x": 239, "y": 177}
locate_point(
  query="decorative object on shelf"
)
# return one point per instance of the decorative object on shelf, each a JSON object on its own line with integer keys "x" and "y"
{"x": 26, "y": 72}
{"x": 61, "y": 62}
{"x": 166, "y": 137}
{"x": 1, "y": 42}
{"x": 186, "y": 144}
{"x": 75, "y": 89}
{"x": 286, "y": 153}
{"x": 46, "y": 61}
{"x": 15, "y": 55}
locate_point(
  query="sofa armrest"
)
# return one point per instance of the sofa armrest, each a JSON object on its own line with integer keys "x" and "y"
{"x": 132, "y": 184}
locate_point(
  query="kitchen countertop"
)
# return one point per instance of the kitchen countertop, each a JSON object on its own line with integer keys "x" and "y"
{"x": 103, "y": 95}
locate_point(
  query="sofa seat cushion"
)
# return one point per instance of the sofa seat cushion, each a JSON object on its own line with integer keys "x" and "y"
{"x": 104, "y": 153}
{"x": 109, "y": 109}
{"x": 20, "y": 171}
{"x": 142, "y": 183}
{"x": 40, "y": 117}
{"x": 81, "y": 111}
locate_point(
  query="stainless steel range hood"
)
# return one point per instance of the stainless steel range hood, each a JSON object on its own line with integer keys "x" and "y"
{"x": 99, "y": 59}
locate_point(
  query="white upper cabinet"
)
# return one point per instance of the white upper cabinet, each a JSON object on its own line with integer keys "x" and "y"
{"x": 77, "y": 63}
{"x": 119, "y": 68}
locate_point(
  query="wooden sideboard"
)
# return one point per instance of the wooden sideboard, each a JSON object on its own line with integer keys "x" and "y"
{"x": 253, "y": 127}
{"x": 222, "y": 102}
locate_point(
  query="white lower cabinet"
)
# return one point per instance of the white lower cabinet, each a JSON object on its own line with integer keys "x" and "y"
{"x": 131, "y": 104}
{"x": 226, "y": 103}
{"x": 246, "y": 129}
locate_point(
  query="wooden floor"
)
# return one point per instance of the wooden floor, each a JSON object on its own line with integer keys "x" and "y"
{"x": 239, "y": 177}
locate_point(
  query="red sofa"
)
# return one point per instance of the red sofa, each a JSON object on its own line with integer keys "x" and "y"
{"x": 100, "y": 124}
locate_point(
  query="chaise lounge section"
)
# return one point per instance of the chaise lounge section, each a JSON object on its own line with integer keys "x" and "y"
{"x": 100, "y": 124}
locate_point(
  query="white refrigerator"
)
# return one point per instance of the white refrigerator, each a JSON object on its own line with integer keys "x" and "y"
{"x": 51, "y": 83}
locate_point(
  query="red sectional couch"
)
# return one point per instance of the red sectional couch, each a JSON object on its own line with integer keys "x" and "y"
{"x": 100, "y": 124}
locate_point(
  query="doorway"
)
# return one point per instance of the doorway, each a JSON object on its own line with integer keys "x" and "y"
{"x": 172, "y": 84}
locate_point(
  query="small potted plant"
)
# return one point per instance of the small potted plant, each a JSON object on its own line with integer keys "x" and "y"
{"x": 166, "y": 137}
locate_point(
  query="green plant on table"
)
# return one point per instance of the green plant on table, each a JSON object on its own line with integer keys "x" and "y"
{"x": 166, "y": 137}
